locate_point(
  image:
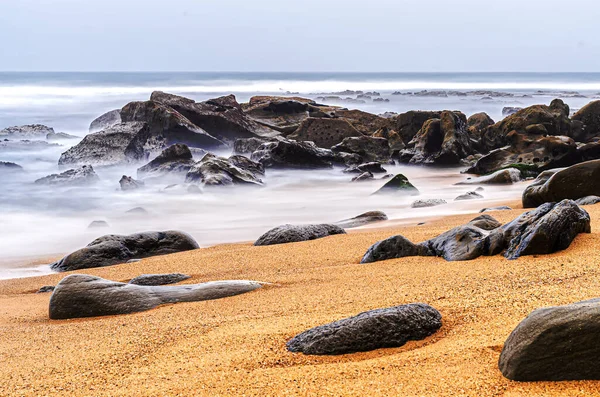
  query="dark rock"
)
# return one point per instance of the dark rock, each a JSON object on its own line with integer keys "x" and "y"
{"x": 589, "y": 117}
{"x": 176, "y": 159}
{"x": 106, "y": 120}
{"x": 427, "y": 203}
{"x": 553, "y": 344}
{"x": 294, "y": 233}
{"x": 499, "y": 208}
{"x": 588, "y": 200}
{"x": 509, "y": 110}
{"x": 365, "y": 176}
{"x": 219, "y": 171}
{"x": 8, "y": 167}
{"x": 324, "y": 132}
{"x": 364, "y": 122}
{"x": 285, "y": 153}
{"x": 159, "y": 279}
{"x": 395, "y": 141}
{"x": 128, "y": 183}
{"x": 394, "y": 247}
{"x": 113, "y": 249}
{"x": 374, "y": 329}
{"x": 549, "y": 228}
{"x": 58, "y": 136}
{"x": 399, "y": 184}
{"x": 81, "y": 176}
{"x": 409, "y": 123}
{"x": 45, "y": 288}
{"x": 368, "y": 148}
{"x": 373, "y": 167}
{"x": 98, "y": 225}
{"x": 478, "y": 122}
{"x": 362, "y": 219}
{"x": 79, "y": 295}
{"x": 469, "y": 196}
{"x": 248, "y": 145}
{"x": 283, "y": 114}
{"x": 30, "y": 131}
{"x": 502, "y": 177}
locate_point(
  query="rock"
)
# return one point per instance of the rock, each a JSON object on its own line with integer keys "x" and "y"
{"x": 79, "y": 295}
{"x": 469, "y": 196}
{"x": 478, "y": 122}
{"x": 368, "y": 148}
{"x": 8, "y": 167}
{"x": 588, "y": 200}
{"x": 180, "y": 189}
{"x": 106, "y": 120}
{"x": 499, "y": 208}
{"x": 395, "y": 142}
{"x": 113, "y": 249}
{"x": 59, "y": 136}
{"x": 45, "y": 288}
{"x": 427, "y": 203}
{"x": 365, "y": 176}
{"x": 509, "y": 110}
{"x": 374, "y": 329}
{"x": 394, "y": 247}
{"x": 399, "y": 184}
{"x": 479, "y": 189}
{"x": 573, "y": 183}
{"x": 553, "y": 344}
{"x": 409, "y": 123}
{"x": 82, "y": 176}
{"x": 174, "y": 160}
{"x": 502, "y": 177}
{"x": 248, "y": 145}
{"x": 98, "y": 225}
{"x": 137, "y": 211}
{"x": 213, "y": 170}
{"x": 30, "y": 131}
{"x": 128, "y": 183}
{"x": 284, "y": 153}
{"x": 25, "y": 145}
{"x": 159, "y": 279}
{"x": 324, "y": 132}
{"x": 589, "y": 117}
{"x": 364, "y": 122}
{"x": 549, "y": 228}
{"x": 373, "y": 167}
{"x": 294, "y": 233}
{"x": 362, "y": 219}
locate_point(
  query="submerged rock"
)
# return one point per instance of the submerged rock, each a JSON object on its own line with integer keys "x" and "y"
{"x": 374, "y": 329}
{"x": 399, "y": 184}
{"x": 80, "y": 295}
{"x": 98, "y": 225}
{"x": 295, "y": 233}
{"x": 81, "y": 176}
{"x": 159, "y": 279}
{"x": 113, "y": 249}
{"x": 365, "y": 176}
{"x": 176, "y": 159}
{"x": 428, "y": 203}
{"x": 236, "y": 170}
{"x": 58, "y": 136}
{"x": 8, "y": 167}
{"x": 469, "y": 196}
{"x": 128, "y": 183}
{"x": 362, "y": 219}
{"x": 30, "y": 131}
{"x": 373, "y": 167}
{"x": 501, "y": 177}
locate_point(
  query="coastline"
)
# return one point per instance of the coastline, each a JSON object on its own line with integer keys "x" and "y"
{"x": 236, "y": 345}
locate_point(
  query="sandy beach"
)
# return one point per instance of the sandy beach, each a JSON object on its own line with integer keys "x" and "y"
{"x": 236, "y": 345}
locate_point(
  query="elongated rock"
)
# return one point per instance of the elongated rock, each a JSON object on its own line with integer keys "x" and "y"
{"x": 362, "y": 219}
{"x": 295, "y": 233}
{"x": 159, "y": 279}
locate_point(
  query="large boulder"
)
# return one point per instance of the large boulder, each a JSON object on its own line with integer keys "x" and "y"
{"x": 113, "y": 249}
{"x": 294, "y": 233}
{"x": 82, "y": 176}
{"x": 399, "y": 185}
{"x": 572, "y": 183}
{"x": 501, "y": 177}
{"x": 395, "y": 142}
{"x": 362, "y": 219}
{"x": 553, "y": 344}
{"x": 324, "y": 132}
{"x": 176, "y": 159}
{"x": 374, "y": 329}
{"x": 364, "y": 122}
{"x": 80, "y": 295}
{"x": 159, "y": 279}
{"x": 589, "y": 117}
{"x": 219, "y": 171}
{"x": 106, "y": 120}
{"x": 285, "y": 153}
{"x": 368, "y": 148}
{"x": 30, "y": 131}
{"x": 409, "y": 123}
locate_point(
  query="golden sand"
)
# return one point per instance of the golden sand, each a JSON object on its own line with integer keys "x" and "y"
{"x": 236, "y": 346}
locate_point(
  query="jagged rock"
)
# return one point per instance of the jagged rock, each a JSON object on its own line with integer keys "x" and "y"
{"x": 236, "y": 170}
{"x": 249, "y": 145}
{"x": 362, "y": 219}
{"x": 553, "y": 344}
{"x": 549, "y": 228}
{"x": 395, "y": 142}
{"x": 365, "y": 176}
{"x": 81, "y": 176}
{"x": 284, "y": 153}
{"x": 364, "y": 122}
{"x": 176, "y": 159}
{"x": 575, "y": 182}
{"x": 372, "y": 167}
{"x": 370, "y": 149}
{"x": 324, "y": 132}
{"x": 469, "y": 196}
{"x": 374, "y": 329}
{"x": 499, "y": 208}
{"x": 98, "y": 225}
{"x": 589, "y": 117}
{"x": 588, "y": 200}
{"x": 502, "y": 177}
{"x": 294, "y": 233}
{"x": 79, "y": 295}
{"x": 427, "y": 203}
{"x": 478, "y": 122}
{"x": 159, "y": 279}
{"x": 8, "y": 167}
{"x": 45, "y": 288}
{"x": 128, "y": 183}
{"x": 58, "y": 136}
{"x": 106, "y": 120}
{"x": 399, "y": 184}
{"x": 509, "y": 110}
{"x": 409, "y": 123}
{"x": 30, "y": 131}
{"x": 113, "y": 249}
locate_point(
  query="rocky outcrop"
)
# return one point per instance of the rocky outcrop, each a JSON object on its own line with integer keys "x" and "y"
{"x": 372, "y": 167}
{"x": 159, "y": 279}
{"x": 374, "y": 329}
{"x": 113, "y": 249}
{"x": 575, "y": 182}
{"x": 324, "y": 132}
{"x": 399, "y": 184}
{"x": 106, "y": 120}
{"x": 294, "y": 233}
{"x": 364, "y": 122}
{"x": 362, "y": 219}
{"x": 30, "y": 131}
{"x": 502, "y": 177}
{"x": 478, "y": 122}
{"x": 395, "y": 142}
{"x": 81, "y": 176}
{"x": 369, "y": 149}
{"x": 409, "y": 123}
{"x": 285, "y": 153}
{"x": 553, "y": 344}
{"x": 128, "y": 183}
{"x": 219, "y": 171}
{"x": 176, "y": 159}
{"x": 80, "y": 295}
{"x": 427, "y": 203}
{"x": 589, "y": 117}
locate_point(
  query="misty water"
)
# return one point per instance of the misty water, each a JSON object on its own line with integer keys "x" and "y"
{"x": 41, "y": 222}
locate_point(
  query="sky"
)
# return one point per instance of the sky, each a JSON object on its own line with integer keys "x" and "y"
{"x": 300, "y": 35}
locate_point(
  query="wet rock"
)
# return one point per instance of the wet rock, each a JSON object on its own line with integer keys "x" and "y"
{"x": 285, "y": 153}
{"x": 575, "y": 182}
{"x": 368, "y": 148}
{"x": 28, "y": 132}
{"x": 45, "y": 288}
{"x": 399, "y": 184}
{"x": 553, "y": 344}
{"x": 59, "y": 136}
{"x": 395, "y": 142}
{"x": 478, "y": 122}
{"x": 589, "y": 117}
{"x": 364, "y": 122}
{"x": 427, "y": 203}
{"x": 137, "y": 211}
{"x": 362, "y": 219}
{"x": 499, "y": 208}
{"x": 365, "y": 176}
{"x": 159, "y": 279}
{"x": 372, "y": 167}
{"x": 283, "y": 114}
{"x": 248, "y": 145}
{"x": 98, "y": 225}
{"x": 113, "y": 249}
{"x": 294, "y": 233}
{"x": 502, "y": 177}
{"x": 549, "y": 228}
{"x": 106, "y": 120}
{"x": 8, "y": 167}
{"x": 394, "y": 247}
{"x": 409, "y": 123}
{"x": 469, "y": 196}
{"x": 174, "y": 160}
{"x": 324, "y": 132}
{"x": 588, "y": 200}
{"x": 510, "y": 110}
{"x": 374, "y": 329}
{"x": 128, "y": 183}
{"x": 79, "y": 295}
{"x": 219, "y": 171}
{"x": 81, "y": 176}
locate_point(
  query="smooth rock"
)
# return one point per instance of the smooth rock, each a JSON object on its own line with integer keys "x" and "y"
{"x": 469, "y": 196}
{"x": 106, "y": 120}
{"x": 159, "y": 279}
{"x": 427, "y": 203}
{"x": 588, "y": 200}
{"x": 174, "y": 160}
{"x": 98, "y": 225}
{"x": 499, "y": 208}
{"x": 500, "y": 177}
{"x": 45, "y": 288}
{"x": 362, "y": 219}
{"x": 82, "y": 176}
{"x": 293, "y": 233}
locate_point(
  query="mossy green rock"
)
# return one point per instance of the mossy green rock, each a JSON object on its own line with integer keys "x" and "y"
{"x": 399, "y": 184}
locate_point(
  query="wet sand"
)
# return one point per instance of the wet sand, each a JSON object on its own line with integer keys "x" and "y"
{"x": 236, "y": 346}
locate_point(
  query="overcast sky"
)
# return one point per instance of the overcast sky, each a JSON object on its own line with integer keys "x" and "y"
{"x": 300, "y": 35}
